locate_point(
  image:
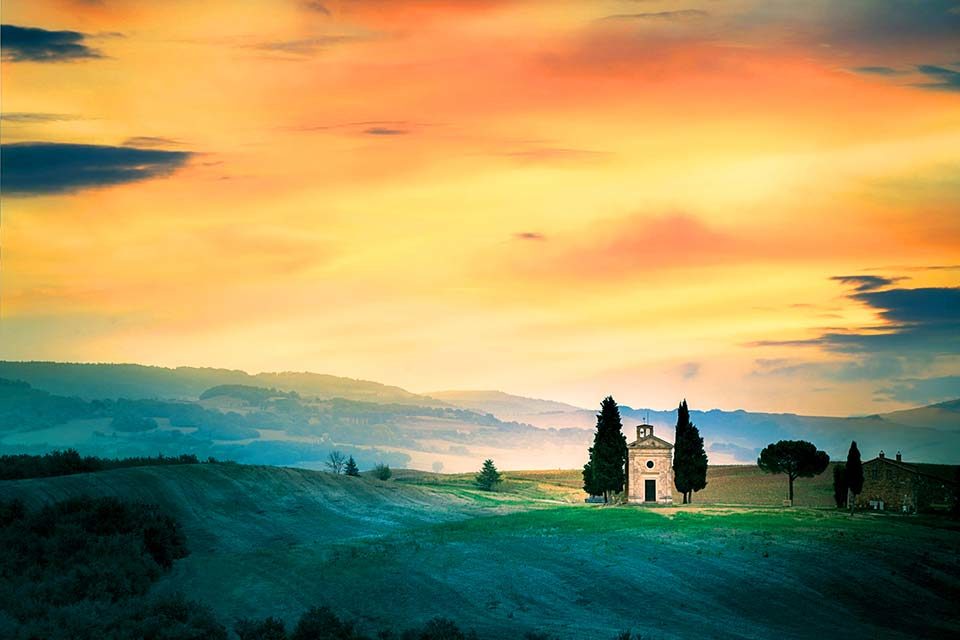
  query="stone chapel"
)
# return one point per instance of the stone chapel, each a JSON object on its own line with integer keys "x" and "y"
{"x": 649, "y": 468}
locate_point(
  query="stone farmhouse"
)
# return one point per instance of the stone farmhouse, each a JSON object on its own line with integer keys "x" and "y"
{"x": 649, "y": 468}
{"x": 895, "y": 485}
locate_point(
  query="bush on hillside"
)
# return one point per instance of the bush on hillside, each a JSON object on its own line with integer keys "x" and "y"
{"x": 382, "y": 472}
{"x": 266, "y": 629}
{"x": 69, "y": 462}
{"x": 137, "y": 618}
{"x": 82, "y": 560}
{"x": 321, "y": 623}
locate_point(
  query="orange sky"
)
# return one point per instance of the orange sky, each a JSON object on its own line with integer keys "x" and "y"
{"x": 555, "y": 198}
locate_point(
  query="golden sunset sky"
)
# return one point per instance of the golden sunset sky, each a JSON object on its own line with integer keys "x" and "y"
{"x": 750, "y": 204}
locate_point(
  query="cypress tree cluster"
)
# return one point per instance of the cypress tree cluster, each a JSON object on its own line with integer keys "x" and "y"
{"x": 689, "y": 457}
{"x": 605, "y": 474}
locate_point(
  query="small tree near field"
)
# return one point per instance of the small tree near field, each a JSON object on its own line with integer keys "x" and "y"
{"x": 854, "y": 475}
{"x": 795, "y": 458}
{"x": 382, "y": 472}
{"x": 489, "y": 477}
{"x": 840, "y": 485}
{"x": 351, "y": 467}
{"x": 335, "y": 462}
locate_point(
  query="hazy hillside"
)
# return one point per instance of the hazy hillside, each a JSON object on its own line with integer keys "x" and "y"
{"x": 268, "y": 426}
{"x": 134, "y": 381}
{"x": 930, "y": 434}
{"x": 270, "y": 541}
{"x": 296, "y": 419}
{"x": 504, "y": 405}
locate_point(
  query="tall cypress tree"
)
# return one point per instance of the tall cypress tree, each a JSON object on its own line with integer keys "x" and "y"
{"x": 689, "y": 456}
{"x": 608, "y": 456}
{"x": 854, "y": 474}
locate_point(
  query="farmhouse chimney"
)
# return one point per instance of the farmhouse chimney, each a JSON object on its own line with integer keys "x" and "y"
{"x": 899, "y": 457}
{"x": 881, "y": 454}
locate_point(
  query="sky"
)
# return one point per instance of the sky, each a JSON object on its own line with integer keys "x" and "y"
{"x": 750, "y": 204}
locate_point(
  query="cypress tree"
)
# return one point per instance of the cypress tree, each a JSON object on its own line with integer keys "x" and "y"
{"x": 854, "y": 474}
{"x": 840, "y": 487}
{"x": 689, "y": 456}
{"x": 608, "y": 456}
{"x": 351, "y": 468}
{"x": 589, "y": 485}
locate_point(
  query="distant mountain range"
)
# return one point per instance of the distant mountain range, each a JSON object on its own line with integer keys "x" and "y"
{"x": 297, "y": 418}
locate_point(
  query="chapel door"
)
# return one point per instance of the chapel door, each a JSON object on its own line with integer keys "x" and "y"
{"x": 649, "y": 490}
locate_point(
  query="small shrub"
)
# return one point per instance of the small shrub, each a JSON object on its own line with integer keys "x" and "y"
{"x": 382, "y": 472}
{"x": 321, "y": 623}
{"x": 266, "y": 629}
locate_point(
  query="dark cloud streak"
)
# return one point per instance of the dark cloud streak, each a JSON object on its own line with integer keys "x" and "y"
{"x": 943, "y": 79}
{"x": 866, "y": 282}
{"x": 30, "y": 44}
{"x": 48, "y": 168}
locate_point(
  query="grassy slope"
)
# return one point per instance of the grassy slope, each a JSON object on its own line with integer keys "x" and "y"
{"x": 275, "y": 541}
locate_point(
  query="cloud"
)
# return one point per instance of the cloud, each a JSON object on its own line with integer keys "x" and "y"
{"x": 617, "y": 249}
{"x": 304, "y": 46}
{"x": 150, "y": 142}
{"x": 944, "y": 79}
{"x": 385, "y": 131}
{"x": 529, "y": 235}
{"x": 916, "y": 323}
{"x": 878, "y": 71}
{"x": 667, "y": 16}
{"x": 30, "y": 44}
{"x": 866, "y": 283}
{"x": 922, "y": 390}
{"x": 26, "y": 117}
{"x": 318, "y": 7}
{"x": 44, "y": 168}
{"x": 690, "y": 370}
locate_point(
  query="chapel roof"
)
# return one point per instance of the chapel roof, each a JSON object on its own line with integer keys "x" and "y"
{"x": 650, "y": 442}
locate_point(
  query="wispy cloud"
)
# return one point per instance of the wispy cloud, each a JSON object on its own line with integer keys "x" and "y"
{"x": 384, "y": 131}
{"x": 151, "y": 142}
{"x": 26, "y": 117}
{"x": 305, "y": 46}
{"x": 943, "y": 79}
{"x": 866, "y": 282}
{"x": 661, "y": 16}
{"x": 878, "y": 71}
{"x": 529, "y": 235}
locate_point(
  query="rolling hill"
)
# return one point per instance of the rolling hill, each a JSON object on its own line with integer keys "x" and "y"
{"x": 298, "y": 418}
{"x": 273, "y": 541}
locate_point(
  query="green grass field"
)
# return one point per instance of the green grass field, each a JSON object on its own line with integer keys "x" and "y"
{"x": 274, "y": 541}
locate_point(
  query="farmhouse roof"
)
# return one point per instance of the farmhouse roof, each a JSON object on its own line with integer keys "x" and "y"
{"x": 942, "y": 472}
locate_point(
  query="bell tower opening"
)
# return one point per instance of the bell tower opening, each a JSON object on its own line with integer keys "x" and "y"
{"x": 644, "y": 430}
